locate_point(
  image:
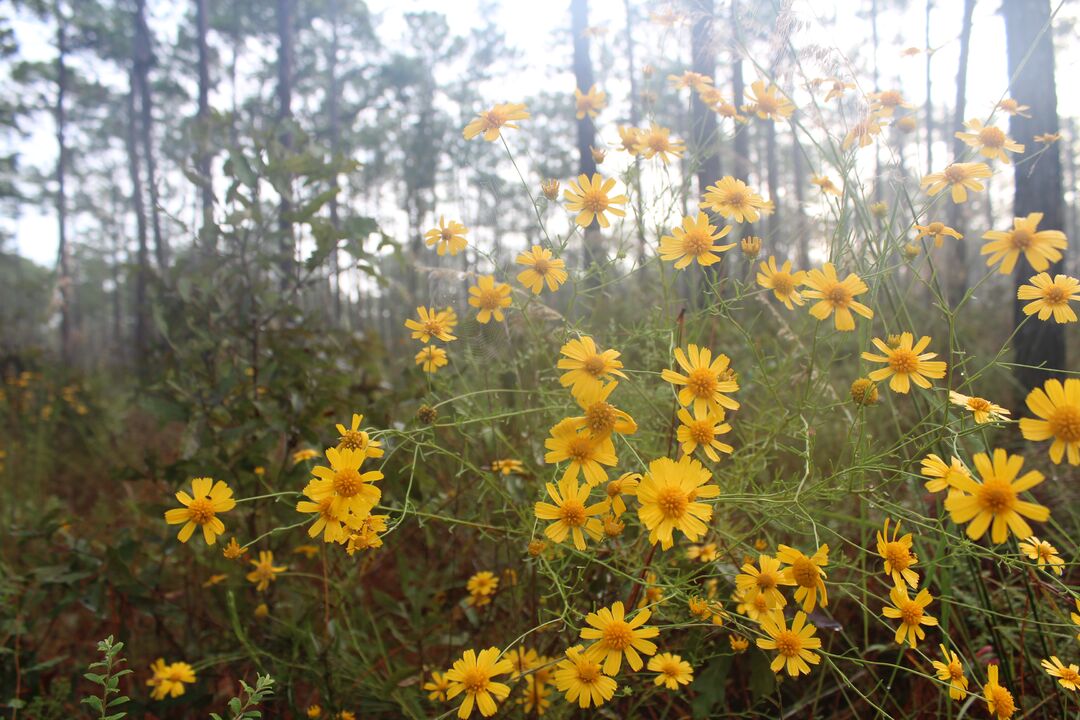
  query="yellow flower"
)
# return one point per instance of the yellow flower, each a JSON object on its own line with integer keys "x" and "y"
{"x": 701, "y": 431}
{"x": 733, "y": 199}
{"x": 668, "y": 497}
{"x": 982, "y": 409}
{"x": 1014, "y": 108}
{"x": 690, "y": 79}
{"x": 905, "y": 363}
{"x": 702, "y": 553}
{"x": 570, "y": 513}
{"x": 232, "y": 551}
{"x": 308, "y": 551}
{"x": 738, "y": 643}
{"x": 1044, "y": 553}
{"x": 432, "y": 324}
{"x": 767, "y": 103}
{"x": 482, "y": 583}
{"x": 590, "y": 199}
{"x": 991, "y": 142}
{"x": 602, "y": 418}
{"x": 329, "y": 523}
{"x": 550, "y": 188}
{"x": 630, "y": 138}
{"x": 1068, "y": 675}
{"x": 447, "y": 237}
{"x": 589, "y": 103}
{"x": 864, "y": 392}
{"x": 304, "y": 454}
{"x": 614, "y": 636}
{"x": 625, "y": 484}
{"x": 169, "y": 680}
{"x": 706, "y": 380}
{"x": 431, "y": 358}
{"x": 214, "y": 580}
{"x": 1051, "y": 297}
{"x": 960, "y": 177}
{"x": 657, "y": 141}
{"x": 863, "y": 132}
{"x": 507, "y": 466}
{"x": 436, "y": 687}
{"x": 836, "y": 295}
{"x": 999, "y": 701}
{"x": 1047, "y": 138}
{"x": 793, "y": 646}
{"x": 895, "y": 550}
{"x": 943, "y": 476}
{"x": 535, "y": 696}
{"x": 995, "y": 498}
{"x": 586, "y": 453}
{"x": 729, "y": 110}
{"x": 805, "y": 572}
{"x": 1057, "y": 406}
{"x": 1040, "y": 247}
{"x": 886, "y": 102}
{"x": 750, "y": 246}
{"x": 265, "y": 571}
{"x": 314, "y": 711}
{"x": 349, "y": 490}
{"x": 951, "y": 670}
{"x": 580, "y": 677}
{"x": 911, "y": 613}
{"x": 523, "y": 661}
{"x": 472, "y": 675}
{"x": 366, "y": 535}
{"x": 201, "y": 509}
{"x": 837, "y": 89}
{"x": 763, "y": 582}
{"x": 672, "y": 671}
{"x": 490, "y": 297}
{"x": 825, "y": 183}
{"x": 586, "y": 366}
{"x": 782, "y": 281}
{"x": 695, "y": 240}
{"x": 490, "y": 122}
{"x": 937, "y": 230}
{"x": 541, "y": 267}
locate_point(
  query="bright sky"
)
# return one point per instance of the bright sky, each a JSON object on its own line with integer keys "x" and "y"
{"x": 540, "y": 30}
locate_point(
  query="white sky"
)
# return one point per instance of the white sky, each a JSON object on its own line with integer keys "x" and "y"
{"x": 538, "y": 30}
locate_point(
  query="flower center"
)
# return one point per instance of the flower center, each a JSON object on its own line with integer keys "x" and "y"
{"x": 956, "y": 672}
{"x": 838, "y": 296}
{"x": 201, "y": 511}
{"x": 805, "y": 572}
{"x": 595, "y": 201}
{"x": 600, "y": 417}
{"x": 433, "y": 327}
{"x": 996, "y": 496}
{"x": 697, "y": 243}
{"x": 766, "y": 580}
{"x": 955, "y": 174}
{"x": 573, "y": 513}
{"x": 489, "y": 299}
{"x": 672, "y": 502}
{"x": 897, "y": 556}
{"x": 594, "y": 365}
{"x": 474, "y": 680}
{"x": 579, "y": 449}
{"x": 353, "y": 440}
{"x": 890, "y": 98}
{"x": 737, "y": 198}
{"x": 347, "y": 483}
{"x": 935, "y": 228}
{"x": 992, "y": 137}
{"x": 903, "y": 362}
{"x": 783, "y": 283}
{"x": 618, "y": 635}
{"x": 911, "y": 613}
{"x": 788, "y": 643}
{"x": 1022, "y": 238}
{"x": 614, "y": 488}
{"x": 541, "y": 266}
{"x": 702, "y": 382}
{"x": 1055, "y": 295}
{"x": 670, "y": 668}
{"x": 588, "y": 672}
{"x": 493, "y": 119}
{"x": 978, "y": 404}
{"x": 1003, "y": 701}
{"x": 1064, "y": 423}
{"x": 1045, "y": 553}
{"x": 1069, "y": 675}
{"x": 701, "y": 433}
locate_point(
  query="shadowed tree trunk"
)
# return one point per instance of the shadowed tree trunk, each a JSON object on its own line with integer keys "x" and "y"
{"x": 635, "y": 118}
{"x": 1038, "y": 181}
{"x": 705, "y": 133}
{"x": 284, "y": 17}
{"x": 586, "y": 131}
{"x": 206, "y": 182}
{"x": 335, "y": 145}
{"x": 63, "y": 252}
{"x": 738, "y": 90}
{"x": 802, "y": 227}
{"x": 144, "y": 58}
{"x": 142, "y": 266}
{"x": 957, "y": 277}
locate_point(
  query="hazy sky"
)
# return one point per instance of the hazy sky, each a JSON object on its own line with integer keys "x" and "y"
{"x": 539, "y": 31}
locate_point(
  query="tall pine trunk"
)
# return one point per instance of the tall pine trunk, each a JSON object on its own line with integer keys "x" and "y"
{"x": 63, "y": 252}
{"x": 203, "y": 158}
{"x": 284, "y": 17}
{"x": 635, "y": 118}
{"x": 586, "y": 131}
{"x": 957, "y": 277}
{"x": 335, "y": 146}
{"x": 142, "y": 263}
{"x": 1040, "y": 346}
{"x": 144, "y": 58}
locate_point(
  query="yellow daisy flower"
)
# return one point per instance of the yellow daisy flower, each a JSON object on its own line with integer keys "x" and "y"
{"x": 694, "y": 241}
{"x": 793, "y": 646}
{"x": 763, "y": 581}
{"x": 602, "y": 418}
{"x": 590, "y": 199}
{"x": 991, "y": 142}
{"x": 835, "y": 295}
{"x": 1057, "y": 407}
{"x": 1068, "y": 676}
{"x": 630, "y": 139}
{"x": 981, "y": 409}
{"x": 570, "y": 514}
{"x": 943, "y": 476}
{"x": 265, "y": 571}
{"x": 1012, "y": 107}
{"x": 447, "y": 237}
{"x": 706, "y": 380}
{"x": 1040, "y": 247}
{"x": 702, "y": 431}
{"x": 1044, "y": 553}
{"x": 996, "y": 500}
{"x": 582, "y": 680}
{"x": 905, "y": 363}
{"x": 657, "y": 141}
{"x": 805, "y": 572}
{"x": 895, "y": 550}
{"x": 436, "y": 687}
{"x": 825, "y": 184}
{"x": 586, "y": 453}
{"x": 490, "y": 297}
{"x": 334, "y": 528}
{"x": 541, "y": 267}
{"x": 491, "y": 122}
{"x": 201, "y": 509}
{"x": 349, "y": 490}
{"x": 733, "y": 199}
{"x": 589, "y": 103}
{"x": 702, "y": 553}
{"x": 353, "y": 438}
{"x": 625, "y": 484}
{"x": 767, "y": 103}
{"x": 863, "y": 132}
{"x": 1051, "y": 297}
{"x": 937, "y": 230}
{"x": 999, "y": 701}
{"x": 911, "y": 612}
{"x": 672, "y": 671}
{"x": 959, "y": 177}
{"x": 667, "y": 498}
{"x": 586, "y": 366}
{"x": 473, "y": 675}
{"x": 534, "y": 699}
{"x": 431, "y": 359}
{"x": 886, "y": 102}
{"x": 784, "y": 283}
{"x": 613, "y": 636}
{"x": 432, "y": 324}
{"x": 168, "y": 680}
{"x": 951, "y": 670}
{"x": 484, "y": 582}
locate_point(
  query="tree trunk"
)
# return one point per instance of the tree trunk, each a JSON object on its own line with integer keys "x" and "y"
{"x": 335, "y": 145}
{"x": 802, "y": 226}
{"x": 635, "y": 118}
{"x": 956, "y": 216}
{"x": 284, "y": 16}
{"x": 738, "y": 89}
{"x": 144, "y": 58}
{"x": 63, "y": 253}
{"x": 586, "y": 132}
{"x": 206, "y": 180}
{"x": 142, "y": 270}
{"x": 1038, "y": 185}
{"x": 705, "y": 130}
